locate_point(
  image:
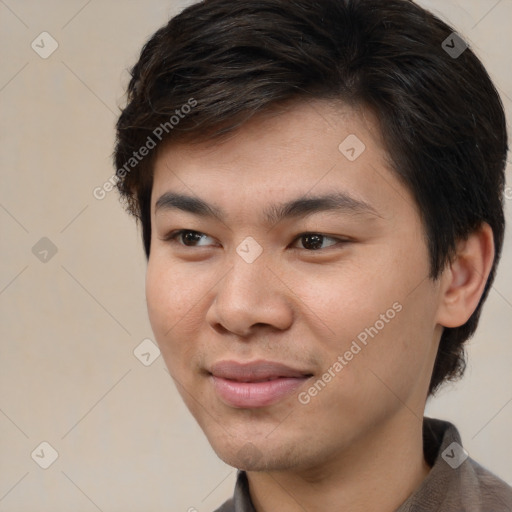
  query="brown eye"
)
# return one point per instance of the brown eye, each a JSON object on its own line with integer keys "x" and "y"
{"x": 190, "y": 238}
{"x": 314, "y": 241}
{"x": 186, "y": 237}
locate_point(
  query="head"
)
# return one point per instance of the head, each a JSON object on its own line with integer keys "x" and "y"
{"x": 249, "y": 105}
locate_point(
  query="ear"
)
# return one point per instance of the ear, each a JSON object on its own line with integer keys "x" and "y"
{"x": 463, "y": 280}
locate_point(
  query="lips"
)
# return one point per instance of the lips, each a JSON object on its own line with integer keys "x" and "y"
{"x": 255, "y": 384}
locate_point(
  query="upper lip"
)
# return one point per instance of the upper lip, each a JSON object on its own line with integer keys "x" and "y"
{"x": 255, "y": 371}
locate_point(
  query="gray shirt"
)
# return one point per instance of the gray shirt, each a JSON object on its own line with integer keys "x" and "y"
{"x": 456, "y": 483}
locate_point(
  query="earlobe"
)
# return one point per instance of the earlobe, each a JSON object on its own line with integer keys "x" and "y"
{"x": 463, "y": 280}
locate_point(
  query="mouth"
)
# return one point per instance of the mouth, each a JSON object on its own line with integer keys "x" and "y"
{"x": 256, "y": 384}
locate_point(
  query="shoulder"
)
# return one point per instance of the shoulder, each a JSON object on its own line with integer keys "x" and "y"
{"x": 456, "y": 482}
{"x": 494, "y": 493}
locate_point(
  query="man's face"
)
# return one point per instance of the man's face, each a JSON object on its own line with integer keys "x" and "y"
{"x": 339, "y": 297}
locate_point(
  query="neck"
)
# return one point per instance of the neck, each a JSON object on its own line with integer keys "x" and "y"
{"x": 377, "y": 473}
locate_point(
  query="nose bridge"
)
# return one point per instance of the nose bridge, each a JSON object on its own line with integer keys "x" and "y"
{"x": 247, "y": 283}
{"x": 249, "y": 293}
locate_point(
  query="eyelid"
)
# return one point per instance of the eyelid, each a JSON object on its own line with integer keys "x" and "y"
{"x": 339, "y": 241}
{"x": 173, "y": 236}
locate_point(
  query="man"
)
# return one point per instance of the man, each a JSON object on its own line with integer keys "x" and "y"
{"x": 320, "y": 189}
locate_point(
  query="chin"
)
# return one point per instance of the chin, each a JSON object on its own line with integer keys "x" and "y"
{"x": 263, "y": 456}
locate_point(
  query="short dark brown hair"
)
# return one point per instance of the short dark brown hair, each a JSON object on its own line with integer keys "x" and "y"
{"x": 220, "y": 62}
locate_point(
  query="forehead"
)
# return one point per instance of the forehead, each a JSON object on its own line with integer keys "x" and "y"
{"x": 293, "y": 129}
{"x": 313, "y": 148}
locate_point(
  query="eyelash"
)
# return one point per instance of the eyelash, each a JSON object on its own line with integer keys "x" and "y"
{"x": 172, "y": 237}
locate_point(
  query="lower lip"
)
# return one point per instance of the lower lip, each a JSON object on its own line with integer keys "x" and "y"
{"x": 255, "y": 394}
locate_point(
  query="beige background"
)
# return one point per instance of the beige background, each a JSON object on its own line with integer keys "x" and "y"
{"x": 69, "y": 376}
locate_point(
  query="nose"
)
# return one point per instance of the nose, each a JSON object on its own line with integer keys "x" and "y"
{"x": 249, "y": 297}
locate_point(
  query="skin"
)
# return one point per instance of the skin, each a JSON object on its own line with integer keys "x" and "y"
{"x": 359, "y": 440}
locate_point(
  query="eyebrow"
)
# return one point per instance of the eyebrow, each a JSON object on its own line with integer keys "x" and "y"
{"x": 295, "y": 208}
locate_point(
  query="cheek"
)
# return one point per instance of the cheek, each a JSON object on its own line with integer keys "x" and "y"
{"x": 169, "y": 300}
{"x": 376, "y": 323}
{"x": 160, "y": 296}
{"x": 396, "y": 359}
{"x": 343, "y": 301}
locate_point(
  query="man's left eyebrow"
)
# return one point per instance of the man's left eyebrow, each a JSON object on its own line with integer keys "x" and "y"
{"x": 339, "y": 202}
{"x": 296, "y": 208}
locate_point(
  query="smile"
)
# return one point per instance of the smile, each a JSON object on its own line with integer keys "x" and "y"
{"x": 257, "y": 384}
